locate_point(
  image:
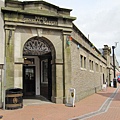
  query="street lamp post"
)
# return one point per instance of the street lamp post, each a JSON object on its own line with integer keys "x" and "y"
{"x": 114, "y": 79}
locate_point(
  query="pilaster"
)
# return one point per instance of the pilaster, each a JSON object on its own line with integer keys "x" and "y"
{"x": 67, "y": 64}
{"x": 9, "y": 53}
{"x": 57, "y": 91}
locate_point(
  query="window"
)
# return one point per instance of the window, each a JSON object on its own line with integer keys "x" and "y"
{"x": 96, "y": 66}
{"x": 91, "y": 64}
{"x": 82, "y": 61}
{"x": 44, "y": 71}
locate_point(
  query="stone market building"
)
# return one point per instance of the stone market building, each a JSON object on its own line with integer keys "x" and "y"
{"x": 44, "y": 53}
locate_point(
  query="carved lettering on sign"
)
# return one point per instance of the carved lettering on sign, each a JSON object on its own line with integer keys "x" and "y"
{"x": 40, "y": 20}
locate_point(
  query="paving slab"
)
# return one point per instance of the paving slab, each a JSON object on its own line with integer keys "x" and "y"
{"x": 48, "y": 111}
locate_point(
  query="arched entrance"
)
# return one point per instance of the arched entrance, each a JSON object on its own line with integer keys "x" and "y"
{"x": 37, "y": 69}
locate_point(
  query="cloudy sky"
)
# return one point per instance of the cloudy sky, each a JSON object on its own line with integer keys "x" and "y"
{"x": 98, "y": 18}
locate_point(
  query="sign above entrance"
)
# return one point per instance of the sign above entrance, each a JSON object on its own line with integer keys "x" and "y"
{"x": 29, "y": 61}
{"x": 40, "y": 20}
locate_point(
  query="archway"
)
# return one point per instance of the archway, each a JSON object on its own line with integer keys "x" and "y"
{"x": 37, "y": 69}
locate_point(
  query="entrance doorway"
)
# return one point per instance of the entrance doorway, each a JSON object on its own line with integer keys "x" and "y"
{"x": 28, "y": 80}
{"x": 46, "y": 76}
{"x": 37, "y": 70}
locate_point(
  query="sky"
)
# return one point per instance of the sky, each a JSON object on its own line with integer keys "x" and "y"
{"x": 100, "y": 19}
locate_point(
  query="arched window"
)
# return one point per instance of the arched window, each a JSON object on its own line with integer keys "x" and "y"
{"x": 36, "y": 46}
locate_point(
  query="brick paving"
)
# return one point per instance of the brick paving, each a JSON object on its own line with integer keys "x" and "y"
{"x": 62, "y": 112}
{"x": 113, "y": 111}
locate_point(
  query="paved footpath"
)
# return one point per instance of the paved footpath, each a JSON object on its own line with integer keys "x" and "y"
{"x": 104, "y": 105}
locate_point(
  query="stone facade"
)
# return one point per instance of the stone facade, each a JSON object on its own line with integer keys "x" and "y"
{"x": 2, "y": 50}
{"x": 1, "y": 35}
{"x": 51, "y": 25}
{"x": 88, "y": 66}
{"x": 74, "y": 61}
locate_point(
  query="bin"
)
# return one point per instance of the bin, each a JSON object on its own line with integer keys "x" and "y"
{"x": 114, "y": 83}
{"x": 14, "y": 98}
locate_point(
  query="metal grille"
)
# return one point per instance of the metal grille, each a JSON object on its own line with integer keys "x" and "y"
{"x": 36, "y": 47}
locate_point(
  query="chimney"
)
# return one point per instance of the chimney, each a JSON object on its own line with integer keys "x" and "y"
{"x": 106, "y": 51}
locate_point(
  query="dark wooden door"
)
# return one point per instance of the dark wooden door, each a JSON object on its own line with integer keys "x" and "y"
{"x": 29, "y": 80}
{"x": 46, "y": 77}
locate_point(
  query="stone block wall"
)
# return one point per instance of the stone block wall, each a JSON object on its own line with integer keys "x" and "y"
{"x": 2, "y": 34}
{"x": 85, "y": 80}
{"x": 2, "y": 50}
